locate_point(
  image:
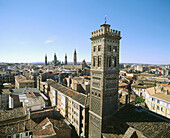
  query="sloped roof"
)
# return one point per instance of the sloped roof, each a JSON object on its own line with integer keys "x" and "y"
{"x": 45, "y": 128}
{"x": 24, "y": 90}
{"x": 79, "y": 97}
{"x": 11, "y": 114}
{"x": 17, "y": 127}
{"x": 149, "y": 123}
{"x": 159, "y": 94}
{"x": 146, "y": 123}
{"x": 72, "y": 66}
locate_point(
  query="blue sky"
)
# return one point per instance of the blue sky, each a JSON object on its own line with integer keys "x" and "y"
{"x": 29, "y": 29}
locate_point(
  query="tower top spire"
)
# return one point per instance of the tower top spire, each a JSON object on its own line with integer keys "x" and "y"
{"x": 105, "y": 19}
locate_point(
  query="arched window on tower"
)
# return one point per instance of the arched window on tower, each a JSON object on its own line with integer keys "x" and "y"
{"x": 109, "y": 62}
{"x": 109, "y": 49}
{"x": 99, "y": 61}
{"x": 114, "y": 49}
{"x": 114, "y": 62}
{"x": 94, "y": 61}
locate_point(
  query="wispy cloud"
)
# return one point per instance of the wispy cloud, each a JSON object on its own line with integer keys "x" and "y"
{"x": 49, "y": 41}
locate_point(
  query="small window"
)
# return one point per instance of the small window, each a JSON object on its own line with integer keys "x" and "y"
{"x": 99, "y": 48}
{"x": 114, "y": 61}
{"x": 168, "y": 112}
{"x": 157, "y": 107}
{"x": 17, "y": 135}
{"x": 94, "y": 48}
{"x": 158, "y": 101}
{"x": 114, "y": 49}
{"x": 30, "y": 133}
{"x": 109, "y": 49}
{"x": 94, "y": 61}
{"x": 107, "y": 40}
{"x": 109, "y": 61}
{"x": 153, "y": 106}
{"x": 162, "y": 109}
{"x": 99, "y": 61}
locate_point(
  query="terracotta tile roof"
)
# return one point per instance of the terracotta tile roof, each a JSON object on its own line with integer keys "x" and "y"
{"x": 123, "y": 84}
{"x": 149, "y": 123}
{"x": 11, "y": 114}
{"x": 22, "y": 79}
{"x": 17, "y": 127}
{"x": 59, "y": 123}
{"x": 142, "y": 86}
{"x": 45, "y": 128}
{"x": 166, "y": 85}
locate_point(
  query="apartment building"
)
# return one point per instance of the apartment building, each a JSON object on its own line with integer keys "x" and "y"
{"x": 7, "y": 77}
{"x": 30, "y": 98}
{"x": 72, "y": 105}
{"x": 4, "y": 100}
{"x": 80, "y": 84}
{"x": 158, "y": 100}
{"x": 42, "y": 78}
{"x": 139, "y": 87}
{"x": 31, "y": 75}
{"x": 22, "y": 82}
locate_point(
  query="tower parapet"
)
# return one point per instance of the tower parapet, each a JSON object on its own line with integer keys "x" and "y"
{"x": 105, "y": 30}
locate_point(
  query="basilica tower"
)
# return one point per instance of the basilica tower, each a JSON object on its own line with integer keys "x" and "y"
{"x": 55, "y": 59}
{"x": 104, "y": 78}
{"x": 75, "y": 58}
{"x": 45, "y": 59}
{"x": 65, "y": 59}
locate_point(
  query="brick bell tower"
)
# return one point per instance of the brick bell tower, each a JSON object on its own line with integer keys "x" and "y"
{"x": 104, "y": 78}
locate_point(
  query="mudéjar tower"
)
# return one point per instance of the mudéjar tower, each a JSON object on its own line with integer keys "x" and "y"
{"x": 45, "y": 59}
{"x": 75, "y": 58}
{"x": 104, "y": 78}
